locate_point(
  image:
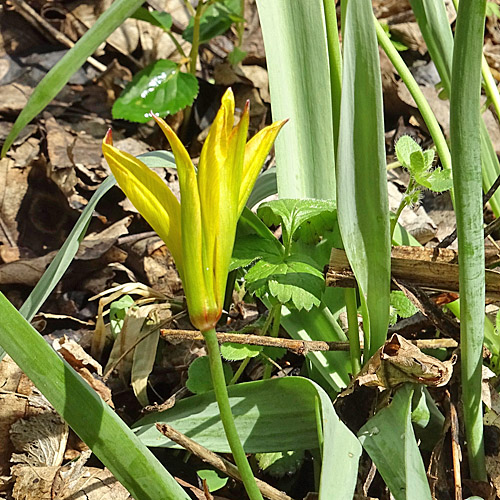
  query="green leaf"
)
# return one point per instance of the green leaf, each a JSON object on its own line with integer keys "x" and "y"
{"x": 362, "y": 199}
{"x": 236, "y": 56}
{"x": 280, "y": 463}
{"x": 264, "y": 186}
{"x": 305, "y": 155}
{"x": 270, "y": 415}
{"x": 492, "y": 10}
{"x": 85, "y": 412}
{"x": 439, "y": 180}
{"x": 158, "y": 159}
{"x": 214, "y": 480}
{"x": 237, "y": 352}
{"x": 160, "y": 87}
{"x": 401, "y": 306}
{"x": 199, "y": 378}
{"x": 59, "y": 75}
{"x": 216, "y": 20}
{"x": 157, "y": 18}
{"x": 249, "y": 248}
{"x": 117, "y": 312}
{"x": 417, "y": 163}
{"x": 389, "y": 440}
{"x": 405, "y": 147}
{"x": 307, "y": 217}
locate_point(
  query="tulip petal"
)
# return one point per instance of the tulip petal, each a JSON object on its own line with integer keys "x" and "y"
{"x": 150, "y": 196}
{"x": 256, "y": 151}
{"x": 197, "y": 279}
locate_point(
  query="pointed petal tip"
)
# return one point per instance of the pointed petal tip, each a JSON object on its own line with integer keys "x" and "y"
{"x": 108, "y": 138}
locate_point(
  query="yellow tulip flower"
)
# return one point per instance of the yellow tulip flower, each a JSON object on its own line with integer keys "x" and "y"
{"x": 200, "y": 230}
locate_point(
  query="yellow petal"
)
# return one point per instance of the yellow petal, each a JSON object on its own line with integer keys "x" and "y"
{"x": 255, "y": 154}
{"x": 149, "y": 195}
{"x": 197, "y": 279}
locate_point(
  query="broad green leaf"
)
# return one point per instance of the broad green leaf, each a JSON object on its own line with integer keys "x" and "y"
{"x": 160, "y": 87}
{"x": 401, "y": 306}
{"x": 59, "y": 75}
{"x": 270, "y": 415}
{"x": 439, "y": 180}
{"x": 417, "y": 163}
{"x": 389, "y": 440}
{"x": 199, "y": 378}
{"x": 404, "y": 149}
{"x": 307, "y": 217}
{"x": 299, "y": 82}
{"x": 238, "y": 352}
{"x": 214, "y": 480}
{"x": 157, "y": 18}
{"x": 264, "y": 186}
{"x": 280, "y": 463}
{"x": 158, "y": 159}
{"x": 216, "y": 20}
{"x": 362, "y": 199}
{"x": 85, "y": 412}
{"x": 249, "y": 248}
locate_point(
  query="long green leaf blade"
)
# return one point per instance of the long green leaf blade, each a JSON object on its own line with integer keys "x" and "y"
{"x": 59, "y": 75}
{"x": 85, "y": 412}
{"x": 271, "y": 415}
{"x": 362, "y": 199}
{"x": 466, "y": 159}
{"x": 389, "y": 440}
{"x": 299, "y": 81}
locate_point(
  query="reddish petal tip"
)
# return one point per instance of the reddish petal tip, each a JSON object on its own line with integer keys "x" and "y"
{"x": 108, "y": 138}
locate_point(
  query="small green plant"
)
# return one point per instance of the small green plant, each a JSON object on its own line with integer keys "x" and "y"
{"x": 166, "y": 86}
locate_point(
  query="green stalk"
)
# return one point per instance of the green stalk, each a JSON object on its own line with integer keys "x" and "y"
{"x": 276, "y": 312}
{"x": 466, "y": 159}
{"x": 352, "y": 322}
{"x": 418, "y": 96}
{"x": 226, "y": 415}
{"x": 402, "y": 205}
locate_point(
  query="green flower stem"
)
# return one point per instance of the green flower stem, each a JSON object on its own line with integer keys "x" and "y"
{"x": 276, "y": 313}
{"x": 418, "y": 96}
{"x": 402, "y": 205}
{"x": 466, "y": 155}
{"x": 226, "y": 415}
{"x": 352, "y": 322}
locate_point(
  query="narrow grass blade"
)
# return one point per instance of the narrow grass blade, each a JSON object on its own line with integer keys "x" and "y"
{"x": 466, "y": 157}
{"x": 389, "y": 440}
{"x": 85, "y": 412}
{"x": 271, "y": 415}
{"x": 59, "y": 75}
{"x": 299, "y": 81}
{"x": 362, "y": 198}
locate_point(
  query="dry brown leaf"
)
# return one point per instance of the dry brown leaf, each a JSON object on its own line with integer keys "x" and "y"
{"x": 75, "y": 355}
{"x": 399, "y": 361}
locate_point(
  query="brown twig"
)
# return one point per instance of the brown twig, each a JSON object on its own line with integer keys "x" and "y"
{"x": 218, "y": 462}
{"x": 38, "y": 22}
{"x": 299, "y": 347}
{"x": 455, "y": 447}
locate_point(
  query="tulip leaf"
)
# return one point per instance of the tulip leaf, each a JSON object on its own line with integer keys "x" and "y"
{"x": 307, "y": 218}
{"x": 157, "y": 18}
{"x": 199, "y": 378}
{"x": 160, "y": 87}
{"x": 216, "y": 20}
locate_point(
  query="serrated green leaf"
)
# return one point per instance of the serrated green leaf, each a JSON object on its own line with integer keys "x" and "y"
{"x": 199, "y": 378}
{"x": 216, "y": 20}
{"x": 417, "y": 163}
{"x": 214, "y": 480}
{"x": 160, "y": 87}
{"x": 439, "y": 180}
{"x": 249, "y": 248}
{"x": 157, "y": 18}
{"x": 308, "y": 217}
{"x": 280, "y": 463}
{"x": 404, "y": 148}
{"x": 402, "y": 305}
{"x": 237, "y": 352}
{"x": 429, "y": 155}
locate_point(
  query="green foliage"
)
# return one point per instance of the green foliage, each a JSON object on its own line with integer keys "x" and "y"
{"x": 213, "y": 479}
{"x": 280, "y": 463}
{"x": 117, "y": 312}
{"x": 215, "y": 20}
{"x": 492, "y": 10}
{"x": 157, "y": 18}
{"x": 160, "y": 88}
{"x": 419, "y": 164}
{"x": 238, "y": 352}
{"x": 199, "y": 378}
{"x": 400, "y": 47}
{"x": 400, "y": 306}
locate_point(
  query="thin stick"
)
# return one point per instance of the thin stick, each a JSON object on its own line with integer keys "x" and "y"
{"x": 299, "y": 347}
{"x": 37, "y": 21}
{"x": 218, "y": 462}
{"x": 455, "y": 447}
